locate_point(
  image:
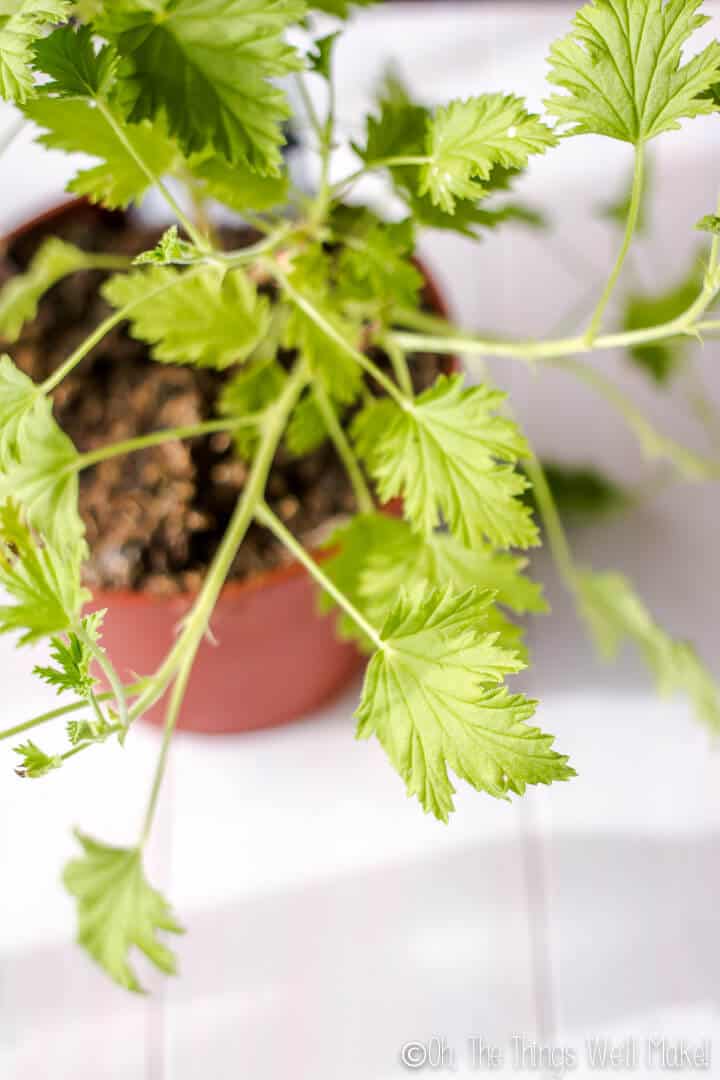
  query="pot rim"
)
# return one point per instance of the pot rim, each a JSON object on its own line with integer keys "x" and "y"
{"x": 258, "y": 579}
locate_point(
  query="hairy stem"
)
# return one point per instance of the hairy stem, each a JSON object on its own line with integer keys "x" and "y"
{"x": 630, "y": 227}
{"x": 335, "y": 429}
{"x": 266, "y": 517}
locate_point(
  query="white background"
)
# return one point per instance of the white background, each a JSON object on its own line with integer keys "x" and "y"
{"x": 328, "y": 920}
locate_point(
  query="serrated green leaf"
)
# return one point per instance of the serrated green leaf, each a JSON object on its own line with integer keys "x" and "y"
{"x": 306, "y": 430}
{"x": 208, "y": 317}
{"x": 21, "y": 23}
{"x": 450, "y": 453}
{"x": 208, "y": 65}
{"x": 43, "y": 584}
{"x": 35, "y": 762}
{"x": 72, "y": 659}
{"x": 20, "y": 295}
{"x": 616, "y": 614}
{"x": 42, "y": 477}
{"x": 663, "y": 359}
{"x": 77, "y": 126}
{"x": 432, "y": 697}
{"x": 377, "y": 555}
{"x": 621, "y": 67}
{"x": 118, "y": 910}
{"x": 466, "y": 139}
{"x": 236, "y": 186}
{"x": 20, "y": 399}
{"x": 710, "y": 223}
{"x": 169, "y": 250}
{"x": 68, "y": 56}
{"x": 374, "y": 263}
{"x": 249, "y": 392}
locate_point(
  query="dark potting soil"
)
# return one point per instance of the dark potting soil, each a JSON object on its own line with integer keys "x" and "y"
{"x": 155, "y": 518}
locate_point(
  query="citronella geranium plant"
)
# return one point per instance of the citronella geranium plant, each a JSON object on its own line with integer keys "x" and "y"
{"x": 164, "y": 93}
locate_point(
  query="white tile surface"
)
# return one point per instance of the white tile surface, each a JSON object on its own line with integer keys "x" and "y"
{"x": 329, "y": 920}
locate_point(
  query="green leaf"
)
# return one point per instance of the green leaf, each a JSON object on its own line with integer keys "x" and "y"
{"x": 44, "y": 584}
{"x": 76, "y": 71}
{"x": 322, "y": 54}
{"x": 582, "y": 492}
{"x": 78, "y": 126}
{"x": 21, "y": 23}
{"x": 248, "y": 393}
{"x": 661, "y": 360}
{"x": 376, "y": 555}
{"x": 621, "y": 68}
{"x": 170, "y": 249}
{"x": 207, "y": 317}
{"x": 237, "y": 187}
{"x": 306, "y": 430}
{"x": 466, "y": 139}
{"x": 20, "y": 402}
{"x": 450, "y": 453}
{"x": 616, "y": 614}
{"x": 42, "y": 477}
{"x": 118, "y": 910}
{"x": 208, "y": 65}
{"x": 341, "y": 9}
{"x": 20, "y": 295}
{"x": 432, "y": 698}
{"x": 36, "y": 763}
{"x": 375, "y": 259}
{"x": 73, "y": 659}
{"x": 710, "y": 223}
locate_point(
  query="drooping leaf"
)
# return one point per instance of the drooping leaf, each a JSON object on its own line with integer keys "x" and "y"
{"x": 21, "y": 23}
{"x": 20, "y": 295}
{"x": 205, "y": 317}
{"x": 43, "y": 585}
{"x": 118, "y": 910}
{"x": 78, "y": 126}
{"x": 621, "y": 67}
{"x": 466, "y": 139}
{"x": 616, "y": 614}
{"x": 209, "y": 66}
{"x": 450, "y": 453}
{"x": 433, "y": 698}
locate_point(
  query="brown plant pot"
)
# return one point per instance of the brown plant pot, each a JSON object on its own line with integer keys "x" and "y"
{"x": 272, "y": 659}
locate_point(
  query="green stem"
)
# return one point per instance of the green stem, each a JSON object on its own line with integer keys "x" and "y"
{"x": 109, "y": 672}
{"x": 421, "y": 320}
{"x": 362, "y": 493}
{"x": 157, "y": 438}
{"x": 631, "y": 226}
{"x": 64, "y": 710}
{"x": 329, "y": 330}
{"x": 398, "y": 359}
{"x": 100, "y": 719}
{"x": 180, "y": 660}
{"x": 373, "y": 166}
{"x": 197, "y": 237}
{"x": 557, "y": 538}
{"x": 266, "y": 517}
{"x": 99, "y": 333}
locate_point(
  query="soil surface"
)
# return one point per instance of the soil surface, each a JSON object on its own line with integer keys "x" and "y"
{"x": 155, "y": 518}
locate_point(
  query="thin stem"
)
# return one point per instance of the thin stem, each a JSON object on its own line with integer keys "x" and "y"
{"x": 157, "y": 438}
{"x": 309, "y": 106}
{"x": 180, "y": 660}
{"x": 421, "y": 320}
{"x": 100, "y": 719}
{"x": 99, "y": 333}
{"x": 398, "y": 359}
{"x": 197, "y": 237}
{"x": 329, "y": 330}
{"x": 62, "y": 711}
{"x": 554, "y": 529}
{"x": 109, "y": 672}
{"x": 362, "y": 493}
{"x": 631, "y": 226}
{"x": 267, "y": 518}
{"x": 373, "y": 166}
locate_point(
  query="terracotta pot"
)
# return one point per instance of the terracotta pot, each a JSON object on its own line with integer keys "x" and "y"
{"x": 275, "y": 658}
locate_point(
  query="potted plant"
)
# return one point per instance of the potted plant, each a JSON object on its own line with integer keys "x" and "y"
{"x": 311, "y": 336}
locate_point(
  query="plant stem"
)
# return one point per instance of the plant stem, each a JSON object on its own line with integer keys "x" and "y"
{"x": 398, "y": 359}
{"x": 99, "y": 333}
{"x": 180, "y": 660}
{"x": 329, "y": 330}
{"x": 157, "y": 438}
{"x": 630, "y": 227}
{"x": 64, "y": 710}
{"x": 362, "y": 493}
{"x": 109, "y": 672}
{"x": 197, "y": 237}
{"x": 373, "y": 166}
{"x": 557, "y": 538}
{"x": 265, "y": 516}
